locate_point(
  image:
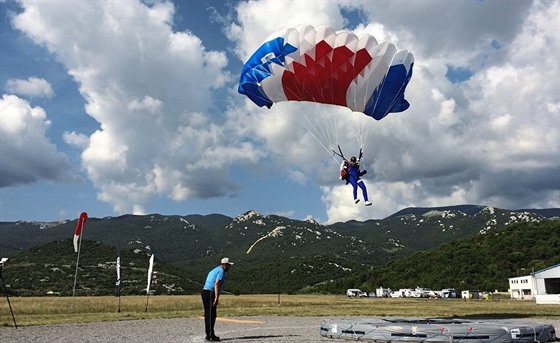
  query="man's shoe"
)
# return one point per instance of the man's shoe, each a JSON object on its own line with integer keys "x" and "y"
{"x": 214, "y": 338}
{"x": 356, "y": 201}
{"x": 368, "y": 203}
{"x": 208, "y": 338}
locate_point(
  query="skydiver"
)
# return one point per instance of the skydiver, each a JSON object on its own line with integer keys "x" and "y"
{"x": 350, "y": 171}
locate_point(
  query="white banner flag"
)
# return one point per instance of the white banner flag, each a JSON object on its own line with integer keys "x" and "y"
{"x": 150, "y": 269}
{"x": 118, "y": 267}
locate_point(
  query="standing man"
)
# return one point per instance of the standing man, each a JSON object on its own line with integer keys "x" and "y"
{"x": 211, "y": 295}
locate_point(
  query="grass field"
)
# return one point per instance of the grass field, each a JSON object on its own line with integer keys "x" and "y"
{"x": 58, "y": 310}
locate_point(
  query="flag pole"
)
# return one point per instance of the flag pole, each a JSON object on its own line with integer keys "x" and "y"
{"x": 76, "y": 273}
{"x": 77, "y": 247}
{"x": 147, "y": 300}
{"x": 119, "y": 310}
{"x": 6, "y": 291}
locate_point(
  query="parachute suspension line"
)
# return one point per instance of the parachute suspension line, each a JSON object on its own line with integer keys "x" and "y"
{"x": 361, "y": 121}
{"x": 331, "y": 124}
{"x": 323, "y": 132}
{"x": 321, "y": 128}
{"x": 365, "y": 126}
{"x": 316, "y": 135}
{"x": 324, "y": 128}
{"x": 324, "y": 147}
{"x": 360, "y": 128}
{"x": 335, "y": 129}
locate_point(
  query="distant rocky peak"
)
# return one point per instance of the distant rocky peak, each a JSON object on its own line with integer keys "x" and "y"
{"x": 444, "y": 214}
{"x": 247, "y": 216}
{"x": 312, "y": 221}
{"x": 488, "y": 210}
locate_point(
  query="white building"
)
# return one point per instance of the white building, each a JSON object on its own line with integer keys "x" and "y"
{"x": 543, "y": 286}
{"x": 521, "y": 287}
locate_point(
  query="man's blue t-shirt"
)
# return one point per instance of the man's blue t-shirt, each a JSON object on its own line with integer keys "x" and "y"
{"x": 215, "y": 274}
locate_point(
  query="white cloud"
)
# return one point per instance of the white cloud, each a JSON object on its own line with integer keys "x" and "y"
{"x": 151, "y": 89}
{"x": 259, "y": 19}
{"x": 75, "y": 139}
{"x": 462, "y": 30}
{"x": 27, "y": 154}
{"x": 340, "y": 205}
{"x": 32, "y": 87}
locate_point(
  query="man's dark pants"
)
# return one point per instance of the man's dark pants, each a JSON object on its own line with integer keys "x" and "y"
{"x": 209, "y": 312}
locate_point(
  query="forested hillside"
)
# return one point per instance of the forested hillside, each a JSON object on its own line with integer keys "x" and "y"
{"x": 52, "y": 268}
{"x": 483, "y": 262}
{"x": 461, "y": 247}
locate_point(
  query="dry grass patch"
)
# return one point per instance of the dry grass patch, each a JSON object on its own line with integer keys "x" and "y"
{"x": 56, "y": 310}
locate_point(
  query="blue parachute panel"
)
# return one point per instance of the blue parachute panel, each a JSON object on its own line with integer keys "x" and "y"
{"x": 257, "y": 69}
{"x": 389, "y": 97}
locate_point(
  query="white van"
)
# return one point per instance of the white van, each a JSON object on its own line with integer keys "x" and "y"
{"x": 355, "y": 292}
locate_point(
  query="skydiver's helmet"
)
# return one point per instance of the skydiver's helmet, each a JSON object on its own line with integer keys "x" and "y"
{"x": 353, "y": 159}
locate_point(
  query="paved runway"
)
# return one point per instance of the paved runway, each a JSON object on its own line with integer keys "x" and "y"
{"x": 267, "y": 329}
{"x": 241, "y": 329}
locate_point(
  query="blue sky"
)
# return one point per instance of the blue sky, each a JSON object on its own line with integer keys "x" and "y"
{"x": 132, "y": 107}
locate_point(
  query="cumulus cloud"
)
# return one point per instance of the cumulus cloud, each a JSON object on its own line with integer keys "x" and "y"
{"x": 33, "y": 87}
{"x": 151, "y": 89}
{"x": 27, "y": 154}
{"x": 75, "y": 139}
{"x": 340, "y": 205}
{"x": 256, "y": 20}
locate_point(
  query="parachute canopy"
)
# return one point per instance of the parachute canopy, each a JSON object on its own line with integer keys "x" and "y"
{"x": 331, "y": 67}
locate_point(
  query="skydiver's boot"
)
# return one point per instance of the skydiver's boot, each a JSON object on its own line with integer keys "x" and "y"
{"x": 368, "y": 203}
{"x": 356, "y": 201}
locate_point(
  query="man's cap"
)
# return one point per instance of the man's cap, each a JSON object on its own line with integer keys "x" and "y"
{"x": 225, "y": 260}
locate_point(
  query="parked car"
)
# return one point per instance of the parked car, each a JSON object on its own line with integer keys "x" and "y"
{"x": 420, "y": 292}
{"x": 355, "y": 293}
{"x": 449, "y": 293}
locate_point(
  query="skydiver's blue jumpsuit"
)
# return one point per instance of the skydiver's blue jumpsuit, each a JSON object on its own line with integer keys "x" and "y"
{"x": 353, "y": 170}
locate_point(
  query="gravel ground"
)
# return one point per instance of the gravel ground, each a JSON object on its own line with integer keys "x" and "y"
{"x": 239, "y": 329}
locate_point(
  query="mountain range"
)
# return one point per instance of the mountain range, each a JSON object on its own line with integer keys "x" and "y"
{"x": 271, "y": 253}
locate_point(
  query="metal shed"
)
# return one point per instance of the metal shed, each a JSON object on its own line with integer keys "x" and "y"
{"x": 547, "y": 285}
